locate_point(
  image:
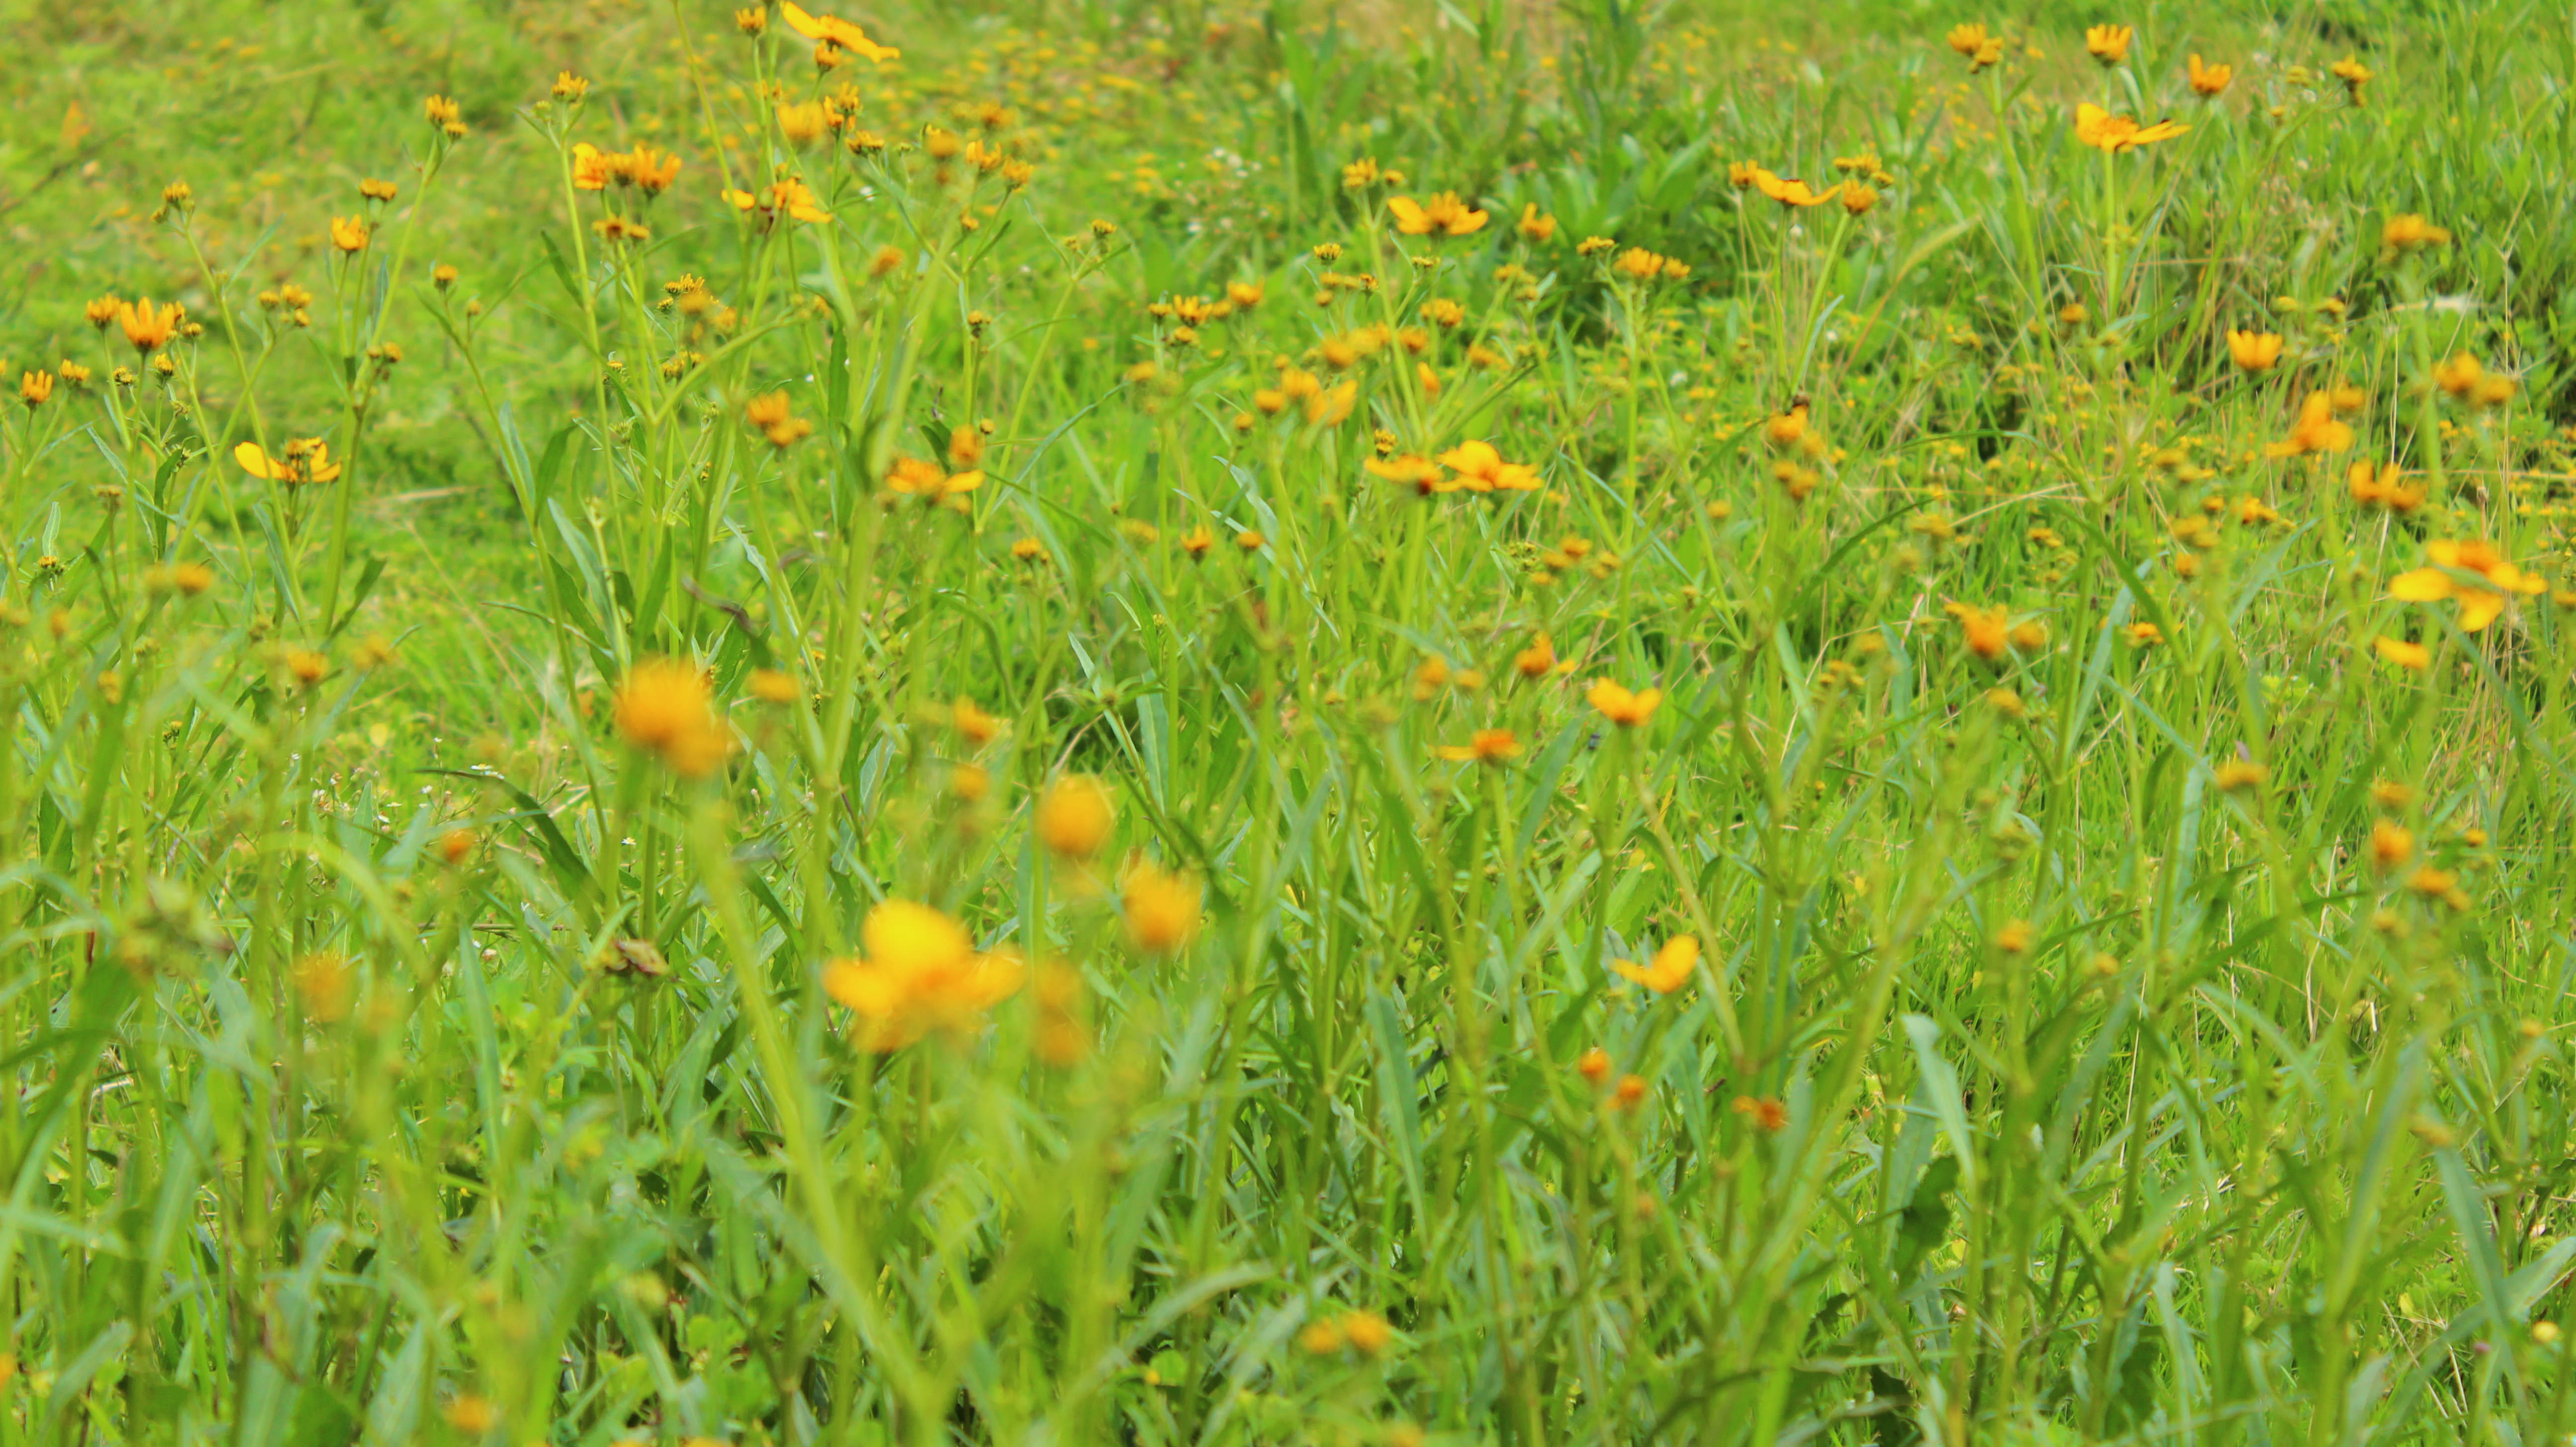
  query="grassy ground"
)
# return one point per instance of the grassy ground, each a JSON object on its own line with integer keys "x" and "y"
{"x": 1049, "y": 753}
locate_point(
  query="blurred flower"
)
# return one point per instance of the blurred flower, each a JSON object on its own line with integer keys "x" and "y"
{"x": 2482, "y": 593}
{"x": 663, "y": 708}
{"x": 2106, "y": 132}
{"x": 918, "y": 972}
{"x": 1672, "y": 968}
{"x": 1442, "y": 215}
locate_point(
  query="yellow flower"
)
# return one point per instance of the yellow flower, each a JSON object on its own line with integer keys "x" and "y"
{"x": 1536, "y": 661}
{"x": 790, "y": 196}
{"x": 349, "y": 234}
{"x": 771, "y": 686}
{"x": 1484, "y": 746}
{"x": 2409, "y": 232}
{"x": 919, "y": 972}
{"x": 1074, "y": 817}
{"x": 1858, "y": 199}
{"x": 2471, "y": 573}
{"x": 590, "y": 167}
{"x": 2209, "y": 80}
{"x": 915, "y": 478}
{"x": 307, "y": 459}
{"x": 662, "y": 708}
{"x": 1987, "y": 630}
{"x": 2318, "y": 430}
{"x": 1534, "y": 228}
{"x": 1621, "y": 707}
{"x": 972, "y": 723}
{"x": 146, "y": 326}
{"x": 35, "y": 388}
{"x": 2381, "y": 484}
{"x": 831, "y": 30}
{"x": 1791, "y": 191}
{"x": 1672, "y": 968}
{"x": 2254, "y": 351}
{"x": 2391, "y": 845}
{"x": 2112, "y": 134}
{"x": 1162, "y": 909}
{"x": 2402, "y": 653}
{"x": 1976, "y": 46}
{"x": 1442, "y": 215}
{"x": 1420, "y": 473}
{"x": 2354, "y": 75}
{"x": 2108, "y": 44}
{"x": 1482, "y": 469}
{"x": 803, "y": 123}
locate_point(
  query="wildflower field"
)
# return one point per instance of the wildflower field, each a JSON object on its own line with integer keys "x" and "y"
{"x": 1193, "y": 722}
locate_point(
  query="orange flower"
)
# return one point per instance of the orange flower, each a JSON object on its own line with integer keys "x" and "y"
{"x": 2471, "y": 573}
{"x": 1420, "y": 473}
{"x": 831, "y": 30}
{"x": 2318, "y": 430}
{"x": 307, "y": 459}
{"x": 148, "y": 327}
{"x": 662, "y": 708}
{"x": 1535, "y": 228}
{"x": 2355, "y": 76}
{"x": 1482, "y": 469}
{"x": 1672, "y": 968}
{"x": 2209, "y": 80}
{"x": 1442, "y": 215}
{"x": 920, "y": 973}
{"x": 349, "y": 234}
{"x": 2108, "y": 44}
{"x": 915, "y": 478}
{"x": 1791, "y": 191}
{"x": 1484, "y": 746}
{"x": 2381, "y": 484}
{"x": 790, "y": 196}
{"x": 2106, "y": 132}
{"x": 1621, "y": 707}
{"x": 1162, "y": 909}
{"x": 2254, "y": 351}
{"x": 1988, "y": 630}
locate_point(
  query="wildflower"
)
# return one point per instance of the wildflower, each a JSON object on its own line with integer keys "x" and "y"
{"x": 2112, "y": 134}
{"x": 1484, "y": 746}
{"x": 2014, "y": 938}
{"x": 1534, "y": 228}
{"x": 1420, "y": 473}
{"x": 1074, "y": 817}
{"x": 1593, "y": 1065}
{"x": 1162, "y": 909}
{"x": 147, "y": 327}
{"x": 1858, "y": 200}
{"x": 445, "y": 116}
{"x": 2355, "y": 76}
{"x": 1443, "y": 215}
{"x": 2391, "y": 845}
{"x": 2144, "y": 635}
{"x": 2318, "y": 430}
{"x": 2471, "y": 573}
{"x": 1985, "y": 629}
{"x": 1366, "y": 1331}
{"x": 802, "y": 124}
{"x": 2414, "y": 656}
{"x": 322, "y": 984}
{"x": 1332, "y": 406}
{"x": 1483, "y": 469}
{"x": 471, "y": 1415}
{"x": 1787, "y": 429}
{"x": 381, "y": 192}
{"x": 662, "y": 708}
{"x": 2209, "y": 80}
{"x": 2254, "y": 351}
{"x": 1766, "y": 1114}
{"x": 752, "y": 20}
{"x": 2407, "y": 232}
{"x": 972, "y": 723}
{"x": 2108, "y": 44}
{"x": 570, "y": 88}
{"x": 1671, "y": 969}
{"x": 102, "y": 311}
{"x": 831, "y": 30}
{"x": 771, "y": 686}
{"x": 1976, "y": 46}
{"x": 306, "y": 459}
{"x": 349, "y": 234}
{"x": 2459, "y": 374}
{"x": 2239, "y": 774}
{"x": 1792, "y": 192}
{"x": 1536, "y": 661}
{"x": 769, "y": 414}
{"x": 1630, "y": 1090}
{"x": 1320, "y": 1338}
{"x": 35, "y": 388}
{"x": 919, "y": 972}
{"x": 790, "y": 196}
{"x": 1245, "y": 295}
{"x": 1621, "y": 707}
{"x": 2383, "y": 485}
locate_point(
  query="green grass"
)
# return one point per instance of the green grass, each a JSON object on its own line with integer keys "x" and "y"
{"x": 431, "y": 1020}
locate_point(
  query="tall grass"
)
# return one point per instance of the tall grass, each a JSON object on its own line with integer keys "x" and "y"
{"x": 1039, "y": 755}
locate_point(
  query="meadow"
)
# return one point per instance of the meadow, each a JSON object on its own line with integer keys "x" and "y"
{"x": 1178, "y": 721}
